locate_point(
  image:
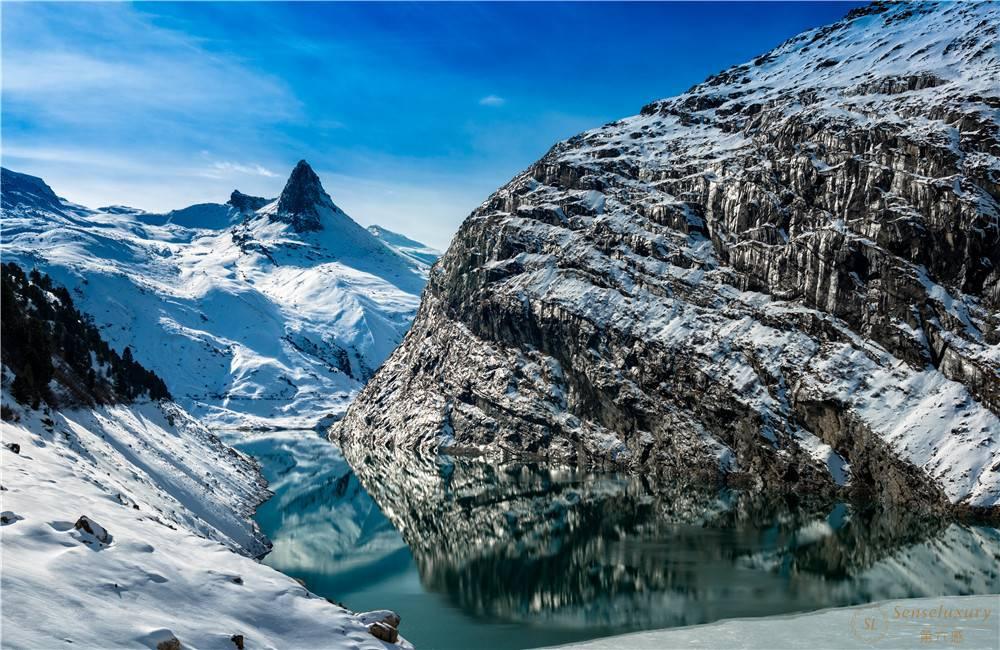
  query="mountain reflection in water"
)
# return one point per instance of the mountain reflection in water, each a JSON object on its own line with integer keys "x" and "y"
{"x": 519, "y": 555}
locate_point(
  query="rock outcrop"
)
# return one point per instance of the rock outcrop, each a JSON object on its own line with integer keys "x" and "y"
{"x": 29, "y": 191}
{"x": 787, "y": 279}
{"x": 246, "y": 203}
{"x": 302, "y": 200}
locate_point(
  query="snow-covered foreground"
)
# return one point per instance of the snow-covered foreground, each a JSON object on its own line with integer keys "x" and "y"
{"x": 177, "y": 557}
{"x": 954, "y": 622}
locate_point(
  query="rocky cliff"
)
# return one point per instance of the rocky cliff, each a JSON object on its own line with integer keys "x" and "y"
{"x": 787, "y": 278}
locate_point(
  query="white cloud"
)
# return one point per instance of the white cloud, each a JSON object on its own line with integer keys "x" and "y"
{"x": 492, "y": 100}
{"x": 111, "y": 65}
{"x": 252, "y": 169}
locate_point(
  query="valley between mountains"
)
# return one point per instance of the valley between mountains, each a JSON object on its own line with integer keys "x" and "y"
{"x": 255, "y": 313}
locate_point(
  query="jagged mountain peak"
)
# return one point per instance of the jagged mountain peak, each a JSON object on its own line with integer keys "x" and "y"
{"x": 310, "y": 313}
{"x": 303, "y": 200}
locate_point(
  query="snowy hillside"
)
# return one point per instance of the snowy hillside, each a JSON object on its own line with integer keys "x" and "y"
{"x": 119, "y": 505}
{"x": 405, "y": 245}
{"x": 255, "y": 312}
{"x": 787, "y": 277}
{"x": 167, "y": 505}
{"x": 973, "y": 624}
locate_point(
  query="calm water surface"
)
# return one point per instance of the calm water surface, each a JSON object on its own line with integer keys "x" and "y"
{"x": 521, "y": 556}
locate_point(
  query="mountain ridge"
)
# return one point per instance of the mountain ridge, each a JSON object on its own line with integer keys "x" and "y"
{"x": 250, "y": 322}
{"x": 785, "y": 279}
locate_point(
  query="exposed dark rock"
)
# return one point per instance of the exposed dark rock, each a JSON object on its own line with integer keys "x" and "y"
{"x": 93, "y": 529}
{"x": 173, "y": 643}
{"x": 385, "y": 616}
{"x": 31, "y": 192}
{"x": 246, "y": 203}
{"x": 302, "y": 200}
{"x": 8, "y": 517}
{"x": 790, "y": 281}
{"x": 384, "y": 632}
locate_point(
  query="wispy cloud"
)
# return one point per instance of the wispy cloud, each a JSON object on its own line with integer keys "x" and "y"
{"x": 239, "y": 168}
{"x": 112, "y": 67}
{"x": 164, "y": 105}
{"x": 492, "y": 100}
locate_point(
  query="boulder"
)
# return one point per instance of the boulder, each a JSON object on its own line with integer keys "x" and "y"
{"x": 173, "y": 643}
{"x": 384, "y": 632}
{"x": 90, "y": 527}
{"x": 386, "y": 616}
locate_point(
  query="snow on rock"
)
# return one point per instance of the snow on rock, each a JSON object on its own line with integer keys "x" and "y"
{"x": 786, "y": 278}
{"x": 140, "y": 516}
{"x": 255, "y": 313}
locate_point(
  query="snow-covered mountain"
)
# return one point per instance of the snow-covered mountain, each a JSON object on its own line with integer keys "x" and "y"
{"x": 786, "y": 278}
{"x": 255, "y": 312}
{"x": 405, "y": 245}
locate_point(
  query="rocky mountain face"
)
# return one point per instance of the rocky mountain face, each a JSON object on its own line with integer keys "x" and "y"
{"x": 302, "y": 199}
{"x": 244, "y": 203}
{"x": 21, "y": 189}
{"x": 787, "y": 279}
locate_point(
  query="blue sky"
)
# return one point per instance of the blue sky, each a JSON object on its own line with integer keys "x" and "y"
{"x": 411, "y": 113}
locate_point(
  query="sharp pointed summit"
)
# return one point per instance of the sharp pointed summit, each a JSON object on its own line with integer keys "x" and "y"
{"x": 303, "y": 199}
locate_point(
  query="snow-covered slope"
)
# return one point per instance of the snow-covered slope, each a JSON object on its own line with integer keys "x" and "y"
{"x": 972, "y": 622}
{"x": 255, "y": 312}
{"x": 405, "y": 245}
{"x": 787, "y": 277}
{"x": 170, "y": 547}
{"x": 121, "y": 512}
